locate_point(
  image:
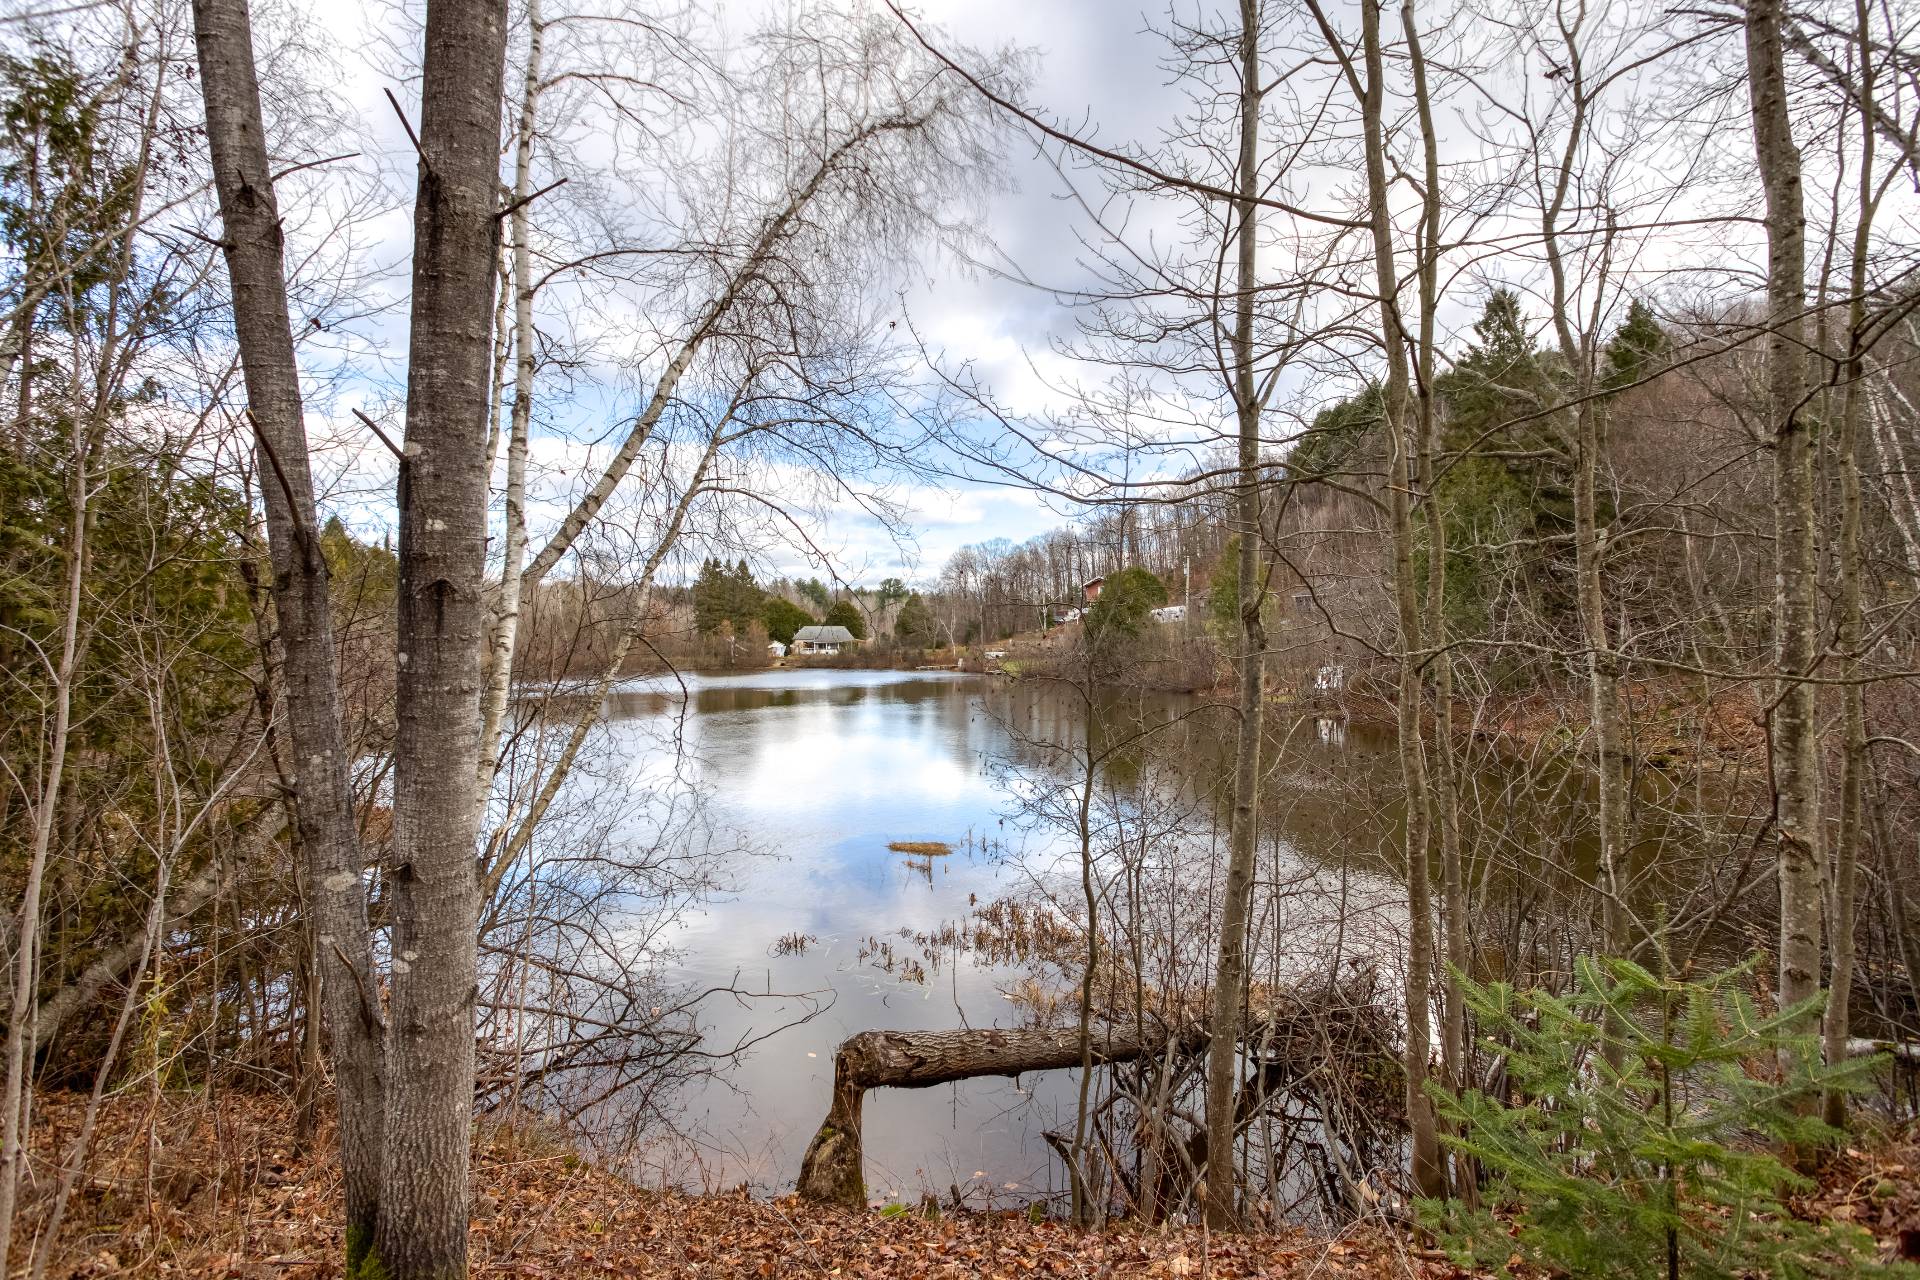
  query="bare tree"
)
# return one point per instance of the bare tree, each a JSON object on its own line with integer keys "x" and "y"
{"x": 336, "y": 914}
{"x": 1230, "y": 974}
{"x": 1791, "y": 722}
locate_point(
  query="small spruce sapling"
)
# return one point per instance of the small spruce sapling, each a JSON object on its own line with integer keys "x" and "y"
{"x": 1663, "y": 1168}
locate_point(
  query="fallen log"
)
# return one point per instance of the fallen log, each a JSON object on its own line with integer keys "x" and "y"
{"x": 1293, "y": 1034}
{"x": 833, "y": 1170}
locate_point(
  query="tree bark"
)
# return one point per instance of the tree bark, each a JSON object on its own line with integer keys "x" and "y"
{"x": 504, "y": 625}
{"x": 1076, "y": 1151}
{"x": 1847, "y": 632}
{"x": 440, "y": 630}
{"x": 1791, "y": 724}
{"x": 1230, "y": 968}
{"x": 1445, "y": 832}
{"x": 1428, "y": 1176}
{"x": 337, "y": 916}
{"x": 832, "y": 1171}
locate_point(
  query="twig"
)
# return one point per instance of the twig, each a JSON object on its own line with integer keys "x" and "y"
{"x": 529, "y": 198}
{"x": 290, "y": 170}
{"x": 300, "y": 532}
{"x": 384, "y": 438}
{"x": 369, "y": 1005}
{"x": 222, "y": 245}
{"x": 407, "y": 124}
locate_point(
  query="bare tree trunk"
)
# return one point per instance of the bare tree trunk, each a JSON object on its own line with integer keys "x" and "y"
{"x": 508, "y": 842}
{"x": 1230, "y": 969}
{"x": 1791, "y": 735}
{"x": 26, "y": 931}
{"x": 1589, "y": 539}
{"x": 33, "y": 293}
{"x": 335, "y": 896}
{"x": 1853, "y": 764}
{"x": 440, "y": 628}
{"x": 1077, "y": 1151}
{"x": 1445, "y": 800}
{"x": 505, "y": 623}
{"x": 1446, "y": 815}
{"x": 1428, "y": 1175}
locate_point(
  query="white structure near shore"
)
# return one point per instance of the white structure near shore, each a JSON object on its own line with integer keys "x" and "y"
{"x": 822, "y": 640}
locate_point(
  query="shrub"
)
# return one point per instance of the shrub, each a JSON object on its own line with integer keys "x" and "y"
{"x": 1663, "y": 1166}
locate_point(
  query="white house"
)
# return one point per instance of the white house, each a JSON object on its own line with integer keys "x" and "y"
{"x": 775, "y": 649}
{"x": 1171, "y": 613}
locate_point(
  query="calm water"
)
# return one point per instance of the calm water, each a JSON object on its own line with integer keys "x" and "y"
{"x": 815, "y": 772}
{"x": 807, "y": 775}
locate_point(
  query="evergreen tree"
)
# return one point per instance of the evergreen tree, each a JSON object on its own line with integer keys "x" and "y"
{"x": 783, "y": 617}
{"x": 1656, "y": 1168}
{"x": 60, "y": 196}
{"x": 915, "y": 626}
{"x": 726, "y": 595}
{"x": 816, "y": 591}
{"x": 1502, "y": 513}
{"x": 1125, "y": 600}
{"x": 845, "y": 613}
{"x": 1336, "y": 435}
{"x": 1638, "y": 347}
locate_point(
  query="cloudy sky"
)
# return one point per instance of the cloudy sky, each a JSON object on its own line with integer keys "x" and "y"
{"x": 1092, "y": 62}
{"x": 1095, "y": 66}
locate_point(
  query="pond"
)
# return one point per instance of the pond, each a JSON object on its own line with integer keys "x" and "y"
{"x": 815, "y": 773}
{"x": 807, "y": 776}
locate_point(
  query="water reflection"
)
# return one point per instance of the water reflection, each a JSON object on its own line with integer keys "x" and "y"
{"x": 817, "y": 772}
{"x": 820, "y": 771}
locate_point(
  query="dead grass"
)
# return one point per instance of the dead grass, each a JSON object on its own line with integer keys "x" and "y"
{"x": 922, "y": 848}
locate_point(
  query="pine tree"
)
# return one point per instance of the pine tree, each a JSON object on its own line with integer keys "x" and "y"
{"x": 1638, "y": 347}
{"x": 847, "y": 614}
{"x": 783, "y": 617}
{"x": 915, "y": 625}
{"x": 724, "y": 594}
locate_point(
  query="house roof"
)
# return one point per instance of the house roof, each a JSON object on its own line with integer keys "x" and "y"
{"x": 823, "y": 635}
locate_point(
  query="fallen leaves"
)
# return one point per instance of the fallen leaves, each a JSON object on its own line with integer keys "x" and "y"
{"x": 234, "y": 1199}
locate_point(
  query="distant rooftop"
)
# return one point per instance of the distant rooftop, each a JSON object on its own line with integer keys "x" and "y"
{"x": 823, "y": 635}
